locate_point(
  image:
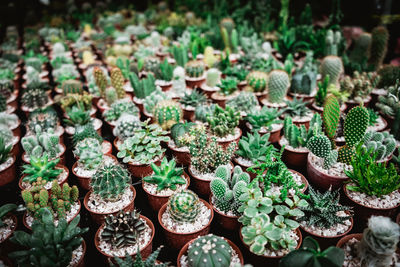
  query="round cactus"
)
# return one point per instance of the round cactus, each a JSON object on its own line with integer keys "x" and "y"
{"x": 332, "y": 66}
{"x": 167, "y": 113}
{"x": 278, "y": 84}
{"x": 209, "y": 251}
{"x": 355, "y": 125}
{"x": 212, "y": 77}
{"x": 257, "y": 80}
{"x": 194, "y": 69}
{"x": 184, "y": 206}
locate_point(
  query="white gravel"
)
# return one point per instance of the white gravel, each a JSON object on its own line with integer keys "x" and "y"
{"x": 106, "y": 147}
{"x": 76, "y": 256}
{"x": 265, "y": 102}
{"x": 297, "y": 178}
{"x": 381, "y": 91}
{"x": 203, "y": 218}
{"x": 207, "y": 88}
{"x": 6, "y": 164}
{"x": 285, "y": 142}
{"x": 282, "y": 252}
{"x": 97, "y": 123}
{"x": 152, "y": 189}
{"x": 245, "y": 162}
{"x": 99, "y": 205}
{"x": 173, "y": 146}
{"x": 264, "y": 130}
{"x": 383, "y": 202}
{"x": 229, "y": 137}
{"x": 69, "y": 215}
{"x": 336, "y": 170}
{"x": 60, "y": 179}
{"x": 334, "y": 230}
{"x": 303, "y": 119}
{"x": 7, "y": 228}
{"x": 82, "y": 172}
{"x": 378, "y": 126}
{"x": 144, "y": 240}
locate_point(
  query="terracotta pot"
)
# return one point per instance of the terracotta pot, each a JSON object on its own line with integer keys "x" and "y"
{"x": 342, "y": 242}
{"x": 261, "y": 260}
{"x": 229, "y": 223}
{"x": 184, "y": 250}
{"x": 81, "y": 262}
{"x": 138, "y": 103}
{"x": 99, "y": 218}
{"x": 326, "y": 241}
{"x": 24, "y": 217}
{"x": 165, "y": 86}
{"x": 155, "y": 201}
{"x": 142, "y": 170}
{"x": 194, "y": 82}
{"x": 322, "y": 180}
{"x": 241, "y": 85}
{"x": 220, "y": 100}
{"x": 294, "y": 158}
{"x": 102, "y": 105}
{"x": 225, "y": 144}
{"x": 8, "y": 175}
{"x": 59, "y": 166}
{"x": 364, "y": 213}
{"x": 16, "y": 149}
{"x": 208, "y": 91}
{"x": 17, "y": 129}
{"x": 352, "y": 104}
{"x": 275, "y": 135}
{"x": 61, "y": 156}
{"x": 177, "y": 240}
{"x": 181, "y": 157}
{"x": 144, "y": 252}
{"x": 188, "y": 114}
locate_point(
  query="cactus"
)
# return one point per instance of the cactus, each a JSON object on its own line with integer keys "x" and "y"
{"x": 44, "y": 143}
{"x": 143, "y": 87}
{"x": 257, "y": 80}
{"x": 209, "y": 58}
{"x": 379, "y": 44}
{"x": 101, "y": 80}
{"x": 4, "y": 150}
{"x": 223, "y": 121}
{"x": 331, "y": 116}
{"x": 379, "y": 242}
{"x": 321, "y": 146}
{"x": 381, "y": 144}
{"x": 209, "y": 251}
{"x": 299, "y": 136}
{"x": 117, "y": 81}
{"x": 278, "y": 84}
{"x": 181, "y": 132}
{"x": 152, "y": 65}
{"x": 166, "y": 175}
{"x": 355, "y": 125}
{"x": 332, "y": 66}
{"x": 34, "y": 98}
{"x": 227, "y": 189}
{"x": 71, "y": 87}
{"x": 126, "y": 125}
{"x": 180, "y": 55}
{"x": 123, "y": 229}
{"x": 184, "y": 206}
{"x": 35, "y": 63}
{"x": 194, "y": 69}
{"x": 89, "y": 153}
{"x": 304, "y": 80}
{"x": 167, "y": 113}
{"x": 110, "y": 182}
{"x": 244, "y": 102}
{"x": 110, "y": 95}
{"x": 332, "y": 42}
{"x": 359, "y": 86}
{"x": 120, "y": 107}
{"x": 361, "y": 50}
{"x": 213, "y": 77}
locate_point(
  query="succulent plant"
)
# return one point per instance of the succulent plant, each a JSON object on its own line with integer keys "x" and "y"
{"x": 332, "y": 42}
{"x": 167, "y": 113}
{"x": 41, "y": 168}
{"x": 300, "y": 136}
{"x": 101, "y": 80}
{"x": 8, "y": 120}
{"x": 254, "y": 147}
{"x": 184, "y": 206}
{"x": 71, "y": 87}
{"x": 85, "y": 131}
{"x": 213, "y": 76}
{"x": 228, "y": 86}
{"x": 89, "y": 153}
{"x": 223, "y": 122}
{"x": 322, "y": 91}
{"x": 5, "y": 150}
{"x": 126, "y": 125}
{"x": 203, "y": 111}
{"x": 180, "y": 55}
{"x": 166, "y": 175}
{"x": 48, "y": 245}
{"x": 4, "y": 210}
{"x": 388, "y": 74}
{"x": 142, "y": 87}
{"x": 128, "y": 261}
{"x": 304, "y": 80}
{"x": 227, "y": 188}
{"x": 43, "y": 143}
{"x": 278, "y": 84}
{"x": 123, "y": 229}
{"x": 382, "y": 144}
{"x": 165, "y": 72}
{"x": 120, "y": 107}
{"x": 296, "y": 108}
{"x": 117, "y": 82}
{"x": 244, "y": 102}
{"x": 34, "y": 98}
{"x": 263, "y": 118}
{"x": 373, "y": 116}
{"x": 185, "y": 133}
{"x": 194, "y": 69}
{"x": 390, "y": 105}
{"x": 257, "y": 80}
{"x": 359, "y": 86}
{"x": 209, "y": 250}
{"x": 331, "y": 116}
{"x": 153, "y": 99}
{"x": 378, "y": 47}
{"x": 77, "y": 116}
{"x": 332, "y": 66}
{"x": 110, "y": 182}
{"x": 83, "y": 101}
{"x": 6, "y": 88}
{"x": 193, "y": 99}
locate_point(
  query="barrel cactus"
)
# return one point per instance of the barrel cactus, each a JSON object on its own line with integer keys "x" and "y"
{"x": 194, "y": 69}
{"x": 184, "y": 206}
{"x": 257, "y": 80}
{"x": 167, "y": 113}
{"x": 71, "y": 87}
{"x": 332, "y": 66}
{"x": 278, "y": 84}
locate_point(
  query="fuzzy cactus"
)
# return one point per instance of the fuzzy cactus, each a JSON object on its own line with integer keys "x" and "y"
{"x": 167, "y": 113}
{"x": 71, "y": 87}
{"x": 117, "y": 81}
{"x": 110, "y": 181}
{"x": 332, "y": 42}
{"x": 194, "y": 69}
{"x": 184, "y": 206}
{"x": 101, "y": 80}
{"x": 43, "y": 143}
{"x": 213, "y": 76}
{"x": 382, "y": 144}
{"x": 209, "y": 251}
{"x": 379, "y": 45}
{"x": 257, "y": 80}
{"x": 278, "y": 84}
{"x": 89, "y": 152}
{"x": 331, "y": 116}
{"x": 332, "y": 66}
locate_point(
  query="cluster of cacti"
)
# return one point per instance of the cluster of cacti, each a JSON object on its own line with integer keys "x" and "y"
{"x": 142, "y": 87}
{"x": 213, "y": 76}
{"x": 332, "y": 66}
{"x": 379, "y": 242}
{"x": 110, "y": 181}
{"x": 35, "y": 63}
{"x": 304, "y": 80}
{"x": 83, "y": 100}
{"x": 180, "y": 54}
{"x": 71, "y": 87}
{"x": 165, "y": 72}
{"x": 126, "y": 125}
{"x": 255, "y": 148}
{"x": 209, "y": 250}
{"x": 58, "y": 202}
{"x": 257, "y": 80}
{"x": 89, "y": 153}
{"x": 194, "y": 69}
{"x": 244, "y": 102}
{"x": 298, "y": 136}
{"x": 359, "y": 86}
{"x": 389, "y": 105}
{"x": 85, "y": 131}
{"x": 185, "y": 133}
{"x": 117, "y": 82}
{"x": 120, "y": 107}
{"x": 379, "y": 44}
{"x": 389, "y": 75}
{"x": 382, "y": 144}
{"x": 223, "y": 122}
{"x": 123, "y": 229}
{"x": 320, "y": 146}
{"x": 167, "y": 113}
{"x": 43, "y": 143}
{"x": 34, "y": 98}
{"x": 229, "y": 35}
{"x": 332, "y": 42}
{"x": 167, "y": 175}
{"x": 227, "y": 188}
{"x": 100, "y": 80}
{"x": 184, "y": 206}
{"x": 41, "y": 169}
{"x": 278, "y": 84}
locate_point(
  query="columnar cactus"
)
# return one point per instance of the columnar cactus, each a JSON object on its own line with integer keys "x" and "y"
{"x": 167, "y": 113}
{"x": 332, "y": 66}
{"x": 213, "y": 77}
{"x": 257, "y": 80}
{"x": 361, "y": 48}
{"x": 184, "y": 206}
{"x": 71, "y": 87}
{"x": 382, "y": 144}
{"x": 379, "y": 44}
{"x": 194, "y": 69}
{"x": 332, "y": 42}
{"x": 117, "y": 81}
{"x": 299, "y": 136}
{"x": 223, "y": 121}
{"x": 142, "y": 87}
{"x": 110, "y": 95}
{"x": 89, "y": 152}
{"x": 278, "y": 84}
{"x": 331, "y": 116}
{"x": 101, "y": 80}
{"x": 209, "y": 250}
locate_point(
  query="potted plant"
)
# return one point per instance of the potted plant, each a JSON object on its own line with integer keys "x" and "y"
{"x": 298, "y": 111}
{"x": 163, "y": 182}
{"x": 141, "y": 88}
{"x": 310, "y": 254}
{"x": 47, "y": 119}
{"x": 111, "y": 192}
{"x": 324, "y": 89}
{"x": 151, "y": 101}
{"x": 244, "y": 102}
{"x": 225, "y": 189}
{"x": 190, "y": 101}
{"x": 374, "y": 187}
{"x": 12, "y": 122}
{"x": 257, "y": 83}
{"x": 7, "y": 163}
{"x": 87, "y": 131}
{"x": 78, "y": 117}
{"x": 194, "y": 73}
{"x": 143, "y": 148}
{"x": 167, "y": 113}
{"x": 227, "y": 90}
{"x": 358, "y": 88}
{"x": 164, "y": 75}
{"x": 184, "y": 217}
{"x": 35, "y": 98}
{"x": 196, "y": 253}
{"x": 376, "y": 246}
{"x": 119, "y": 108}
{"x": 8, "y": 223}
{"x": 239, "y": 72}
{"x": 325, "y": 219}
{"x": 125, "y": 233}
{"x": 129, "y": 261}
{"x": 388, "y": 105}
{"x": 265, "y": 120}
{"x": 382, "y": 144}
{"x": 43, "y": 246}
{"x": 61, "y": 201}
{"x": 278, "y": 85}
{"x": 213, "y": 76}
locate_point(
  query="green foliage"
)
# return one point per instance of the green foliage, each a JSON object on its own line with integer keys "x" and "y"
{"x": 5, "y": 150}
{"x": 4, "y": 210}
{"x": 389, "y": 74}
{"x": 332, "y": 66}
{"x": 167, "y": 113}
{"x": 89, "y": 153}
{"x": 373, "y": 117}
{"x": 244, "y": 102}
{"x": 77, "y": 116}
{"x": 228, "y": 86}
{"x": 123, "y": 229}
{"x": 304, "y": 80}
{"x": 165, "y": 71}
{"x": 298, "y": 136}
{"x": 310, "y": 255}
{"x": 278, "y": 84}
{"x": 193, "y": 99}
{"x": 371, "y": 177}
{"x": 296, "y": 108}
{"x": 166, "y": 175}
{"x": 255, "y": 148}
{"x": 142, "y": 87}
{"x": 184, "y": 206}
{"x": 359, "y": 86}
{"x": 41, "y": 168}
{"x": 120, "y": 107}
{"x": 43, "y": 143}
{"x": 223, "y": 122}
{"x": 322, "y": 91}
{"x": 331, "y": 116}
{"x": 85, "y": 131}
{"x": 48, "y": 245}
{"x": 180, "y": 55}
{"x": 257, "y": 80}
{"x": 379, "y": 45}
{"x": 263, "y": 118}
{"x": 139, "y": 262}
{"x": 237, "y": 71}
{"x": 203, "y": 111}
{"x": 110, "y": 181}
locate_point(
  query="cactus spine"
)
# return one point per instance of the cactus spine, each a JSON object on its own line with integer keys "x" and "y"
{"x": 278, "y": 84}
{"x": 332, "y": 66}
{"x": 117, "y": 81}
{"x": 167, "y": 113}
{"x": 184, "y": 206}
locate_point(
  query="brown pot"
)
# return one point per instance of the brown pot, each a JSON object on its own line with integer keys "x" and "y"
{"x": 61, "y": 156}
{"x": 364, "y": 213}
{"x": 274, "y": 137}
{"x": 323, "y": 180}
{"x": 155, "y": 201}
{"x": 351, "y": 104}
{"x": 25, "y": 223}
{"x": 208, "y": 91}
{"x": 181, "y": 157}
{"x": 8, "y": 175}
{"x": 225, "y": 144}
{"x": 260, "y": 96}
{"x": 17, "y": 130}
{"x": 59, "y": 166}
{"x": 148, "y": 115}
{"x": 194, "y": 82}
{"x": 374, "y": 97}
{"x": 188, "y": 114}
{"x": 16, "y": 149}
{"x": 261, "y": 260}
{"x": 241, "y": 85}
{"x": 244, "y": 168}
{"x": 184, "y": 250}
{"x": 81, "y": 262}
{"x": 139, "y": 104}
{"x": 99, "y": 218}
{"x": 142, "y": 170}
{"x": 326, "y": 241}
{"x": 306, "y": 98}
{"x": 229, "y": 223}
{"x": 104, "y": 145}
{"x": 144, "y": 252}
{"x": 220, "y": 100}
{"x": 342, "y": 242}
{"x": 293, "y": 158}
{"x": 177, "y": 240}
{"x": 166, "y": 86}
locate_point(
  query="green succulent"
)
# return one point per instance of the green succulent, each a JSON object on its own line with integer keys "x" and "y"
{"x": 89, "y": 153}
{"x": 5, "y": 150}
{"x": 77, "y": 116}
{"x": 184, "y": 206}
{"x": 296, "y": 108}
{"x": 382, "y": 144}
{"x": 4, "y": 210}
{"x": 263, "y": 118}
{"x": 193, "y": 99}
{"x": 244, "y": 102}
{"x": 129, "y": 261}
{"x": 41, "y": 168}
{"x": 166, "y": 175}
{"x": 120, "y": 107}
{"x": 228, "y": 86}
{"x": 85, "y": 131}
{"x": 300, "y": 136}
{"x": 165, "y": 71}
{"x": 223, "y": 121}
{"x": 254, "y": 147}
